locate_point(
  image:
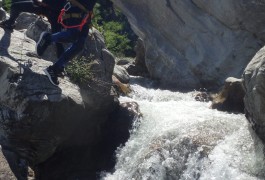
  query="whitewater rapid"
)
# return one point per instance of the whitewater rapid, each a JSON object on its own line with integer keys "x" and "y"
{"x": 180, "y": 138}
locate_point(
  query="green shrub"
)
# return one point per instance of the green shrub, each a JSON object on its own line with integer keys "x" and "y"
{"x": 119, "y": 37}
{"x": 7, "y": 5}
{"x": 117, "y": 42}
{"x": 79, "y": 70}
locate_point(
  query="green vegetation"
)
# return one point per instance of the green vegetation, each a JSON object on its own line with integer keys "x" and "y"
{"x": 79, "y": 70}
{"x": 7, "y": 5}
{"x": 119, "y": 37}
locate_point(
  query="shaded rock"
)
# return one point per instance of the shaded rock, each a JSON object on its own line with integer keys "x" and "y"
{"x": 199, "y": 43}
{"x": 117, "y": 131}
{"x": 253, "y": 81}
{"x": 123, "y": 62}
{"x": 140, "y": 54}
{"x": 135, "y": 70}
{"x": 138, "y": 67}
{"x": 230, "y": 98}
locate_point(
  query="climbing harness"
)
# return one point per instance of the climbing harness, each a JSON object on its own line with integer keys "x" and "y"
{"x": 62, "y": 16}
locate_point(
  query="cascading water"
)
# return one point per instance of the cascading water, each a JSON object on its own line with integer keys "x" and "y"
{"x": 180, "y": 138}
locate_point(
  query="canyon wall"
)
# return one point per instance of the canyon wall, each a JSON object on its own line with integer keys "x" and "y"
{"x": 197, "y": 43}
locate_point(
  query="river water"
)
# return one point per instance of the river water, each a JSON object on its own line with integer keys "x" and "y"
{"x": 180, "y": 138}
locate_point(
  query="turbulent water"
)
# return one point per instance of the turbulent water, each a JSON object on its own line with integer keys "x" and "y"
{"x": 180, "y": 138}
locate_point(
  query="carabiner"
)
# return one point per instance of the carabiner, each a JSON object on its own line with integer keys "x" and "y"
{"x": 67, "y": 6}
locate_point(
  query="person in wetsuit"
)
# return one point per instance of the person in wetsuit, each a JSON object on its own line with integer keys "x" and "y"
{"x": 74, "y": 16}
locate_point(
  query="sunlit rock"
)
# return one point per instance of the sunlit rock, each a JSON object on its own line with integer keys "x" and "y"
{"x": 121, "y": 74}
{"x": 253, "y": 81}
{"x": 199, "y": 43}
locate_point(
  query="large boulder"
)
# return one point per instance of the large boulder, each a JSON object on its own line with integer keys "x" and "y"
{"x": 197, "y": 43}
{"x": 39, "y": 121}
{"x": 254, "y": 84}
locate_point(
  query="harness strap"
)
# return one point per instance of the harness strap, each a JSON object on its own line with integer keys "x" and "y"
{"x": 72, "y": 15}
{"x": 79, "y": 26}
{"x": 62, "y": 15}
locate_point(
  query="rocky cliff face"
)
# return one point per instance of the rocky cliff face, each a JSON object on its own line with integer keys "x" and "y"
{"x": 197, "y": 43}
{"x": 254, "y": 79}
{"x": 39, "y": 120}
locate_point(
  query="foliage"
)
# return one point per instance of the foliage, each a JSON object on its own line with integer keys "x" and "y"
{"x": 7, "y": 5}
{"x": 79, "y": 70}
{"x": 119, "y": 37}
{"x": 116, "y": 41}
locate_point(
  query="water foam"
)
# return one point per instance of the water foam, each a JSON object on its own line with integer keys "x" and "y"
{"x": 180, "y": 138}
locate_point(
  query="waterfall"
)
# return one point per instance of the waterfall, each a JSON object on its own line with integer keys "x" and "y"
{"x": 180, "y": 138}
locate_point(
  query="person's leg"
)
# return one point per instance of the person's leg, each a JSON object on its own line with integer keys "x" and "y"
{"x": 68, "y": 36}
{"x": 70, "y": 53}
{"x": 64, "y": 37}
{"x": 73, "y": 50}
{"x": 53, "y": 71}
{"x": 71, "y": 35}
{"x": 56, "y": 27}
